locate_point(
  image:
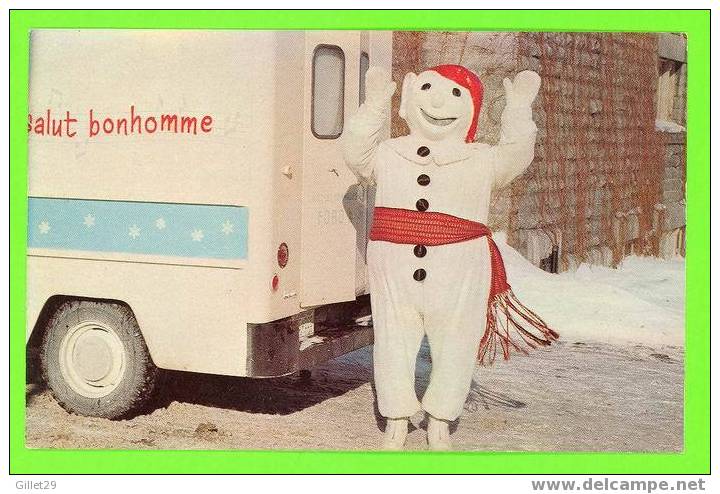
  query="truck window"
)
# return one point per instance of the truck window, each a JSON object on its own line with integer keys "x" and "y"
{"x": 364, "y": 66}
{"x": 328, "y": 92}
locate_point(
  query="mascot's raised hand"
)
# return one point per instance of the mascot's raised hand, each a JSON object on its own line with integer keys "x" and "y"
{"x": 522, "y": 91}
{"x": 367, "y": 127}
{"x": 379, "y": 88}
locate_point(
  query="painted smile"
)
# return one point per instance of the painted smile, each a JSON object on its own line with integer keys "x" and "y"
{"x": 437, "y": 121}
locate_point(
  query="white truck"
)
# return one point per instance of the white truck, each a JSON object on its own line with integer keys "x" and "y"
{"x": 189, "y": 209}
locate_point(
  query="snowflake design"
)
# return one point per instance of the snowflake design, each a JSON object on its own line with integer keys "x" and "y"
{"x": 160, "y": 223}
{"x": 89, "y": 220}
{"x": 134, "y": 231}
{"x": 227, "y": 227}
{"x": 44, "y": 227}
{"x": 197, "y": 235}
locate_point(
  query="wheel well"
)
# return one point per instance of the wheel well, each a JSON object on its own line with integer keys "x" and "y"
{"x": 36, "y": 337}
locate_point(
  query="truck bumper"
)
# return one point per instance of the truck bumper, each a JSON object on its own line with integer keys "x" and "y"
{"x": 274, "y": 349}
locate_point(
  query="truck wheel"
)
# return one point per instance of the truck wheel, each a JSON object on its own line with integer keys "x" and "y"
{"x": 95, "y": 361}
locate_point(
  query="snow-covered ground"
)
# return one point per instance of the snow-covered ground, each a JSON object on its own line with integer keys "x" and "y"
{"x": 642, "y": 301}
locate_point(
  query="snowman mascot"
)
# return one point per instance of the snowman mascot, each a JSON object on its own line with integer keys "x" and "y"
{"x": 433, "y": 268}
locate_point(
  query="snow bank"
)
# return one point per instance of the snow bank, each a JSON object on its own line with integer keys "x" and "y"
{"x": 640, "y": 302}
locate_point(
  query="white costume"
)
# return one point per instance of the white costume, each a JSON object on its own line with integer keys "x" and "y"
{"x": 439, "y": 291}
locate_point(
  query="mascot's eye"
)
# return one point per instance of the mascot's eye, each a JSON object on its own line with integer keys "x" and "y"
{"x": 456, "y": 92}
{"x": 425, "y": 86}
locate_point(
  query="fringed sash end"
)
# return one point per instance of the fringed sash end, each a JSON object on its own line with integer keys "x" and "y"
{"x": 512, "y": 326}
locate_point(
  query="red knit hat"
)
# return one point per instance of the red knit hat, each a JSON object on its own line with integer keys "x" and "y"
{"x": 467, "y": 79}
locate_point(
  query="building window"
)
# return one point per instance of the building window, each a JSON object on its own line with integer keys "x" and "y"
{"x": 669, "y": 71}
{"x": 364, "y": 66}
{"x": 328, "y": 92}
{"x": 672, "y": 82}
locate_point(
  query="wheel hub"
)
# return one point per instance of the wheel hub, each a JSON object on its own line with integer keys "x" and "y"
{"x": 92, "y": 359}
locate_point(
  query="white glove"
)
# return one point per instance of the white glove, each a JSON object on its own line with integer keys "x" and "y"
{"x": 522, "y": 91}
{"x": 379, "y": 88}
{"x": 365, "y": 128}
{"x": 516, "y": 119}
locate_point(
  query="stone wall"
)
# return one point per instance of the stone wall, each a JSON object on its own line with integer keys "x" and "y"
{"x": 673, "y": 47}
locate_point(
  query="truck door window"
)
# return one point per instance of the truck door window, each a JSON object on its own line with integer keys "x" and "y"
{"x": 328, "y": 92}
{"x": 364, "y": 66}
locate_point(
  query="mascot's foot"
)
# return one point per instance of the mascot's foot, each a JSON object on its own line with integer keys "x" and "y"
{"x": 396, "y": 431}
{"x": 438, "y": 435}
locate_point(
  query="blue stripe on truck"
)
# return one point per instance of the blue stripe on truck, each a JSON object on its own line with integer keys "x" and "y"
{"x": 163, "y": 229}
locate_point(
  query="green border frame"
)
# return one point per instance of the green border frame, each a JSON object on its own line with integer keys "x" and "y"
{"x": 694, "y": 459}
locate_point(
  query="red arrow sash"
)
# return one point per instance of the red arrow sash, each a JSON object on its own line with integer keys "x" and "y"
{"x": 505, "y": 312}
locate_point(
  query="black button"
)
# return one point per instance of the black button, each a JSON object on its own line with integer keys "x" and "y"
{"x": 419, "y": 274}
{"x": 423, "y": 180}
{"x": 420, "y": 251}
{"x": 422, "y": 205}
{"x": 423, "y": 151}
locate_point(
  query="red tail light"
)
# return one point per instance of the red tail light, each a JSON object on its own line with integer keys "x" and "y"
{"x": 282, "y": 255}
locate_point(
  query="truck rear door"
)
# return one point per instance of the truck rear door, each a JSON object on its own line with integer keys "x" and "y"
{"x": 333, "y": 205}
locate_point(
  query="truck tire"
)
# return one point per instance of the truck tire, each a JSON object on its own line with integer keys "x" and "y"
{"x": 95, "y": 361}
